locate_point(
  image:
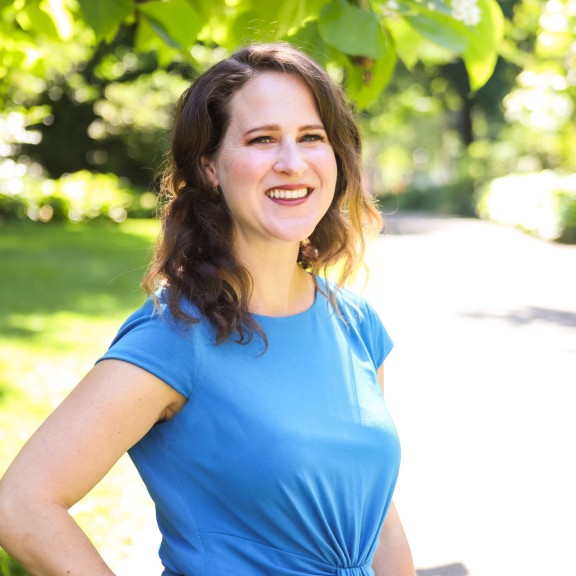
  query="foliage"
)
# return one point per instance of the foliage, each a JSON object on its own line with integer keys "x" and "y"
{"x": 532, "y": 153}
{"x": 108, "y": 114}
{"x": 452, "y": 94}
{"x": 26, "y": 194}
{"x": 89, "y": 85}
{"x": 432, "y": 143}
{"x": 543, "y": 204}
{"x": 361, "y": 39}
{"x": 39, "y": 40}
{"x": 455, "y": 197}
{"x": 539, "y": 111}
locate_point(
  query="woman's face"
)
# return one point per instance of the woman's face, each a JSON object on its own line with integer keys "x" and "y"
{"x": 275, "y": 166}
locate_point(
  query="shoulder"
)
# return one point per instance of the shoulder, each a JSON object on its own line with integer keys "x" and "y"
{"x": 362, "y": 319}
{"x": 154, "y": 317}
{"x": 353, "y": 307}
{"x": 153, "y": 339}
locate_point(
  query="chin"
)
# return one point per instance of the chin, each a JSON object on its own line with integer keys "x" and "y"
{"x": 298, "y": 232}
{"x": 296, "y": 237}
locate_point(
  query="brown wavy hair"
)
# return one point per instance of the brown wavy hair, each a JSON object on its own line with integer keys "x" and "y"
{"x": 194, "y": 257}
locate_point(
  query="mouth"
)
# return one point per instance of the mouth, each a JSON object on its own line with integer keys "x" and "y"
{"x": 280, "y": 193}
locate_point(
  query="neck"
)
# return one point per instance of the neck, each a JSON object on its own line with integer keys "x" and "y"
{"x": 280, "y": 286}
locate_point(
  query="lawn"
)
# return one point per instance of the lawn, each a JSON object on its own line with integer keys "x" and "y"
{"x": 65, "y": 290}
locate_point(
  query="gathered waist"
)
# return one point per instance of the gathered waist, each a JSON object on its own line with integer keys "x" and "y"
{"x": 225, "y": 554}
{"x": 359, "y": 570}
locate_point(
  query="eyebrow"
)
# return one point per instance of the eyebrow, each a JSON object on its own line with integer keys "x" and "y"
{"x": 276, "y": 128}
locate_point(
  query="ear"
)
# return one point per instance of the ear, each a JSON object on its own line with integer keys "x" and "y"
{"x": 209, "y": 168}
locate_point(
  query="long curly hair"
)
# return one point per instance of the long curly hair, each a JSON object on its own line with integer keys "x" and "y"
{"x": 194, "y": 257}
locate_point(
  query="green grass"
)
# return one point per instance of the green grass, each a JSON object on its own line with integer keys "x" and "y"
{"x": 65, "y": 290}
{"x": 9, "y": 566}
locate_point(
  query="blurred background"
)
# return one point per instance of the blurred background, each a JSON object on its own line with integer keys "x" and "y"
{"x": 467, "y": 113}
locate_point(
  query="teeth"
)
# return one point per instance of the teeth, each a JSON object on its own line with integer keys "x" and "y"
{"x": 287, "y": 194}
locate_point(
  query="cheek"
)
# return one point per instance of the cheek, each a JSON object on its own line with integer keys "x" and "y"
{"x": 332, "y": 173}
{"x": 240, "y": 169}
{"x": 329, "y": 165}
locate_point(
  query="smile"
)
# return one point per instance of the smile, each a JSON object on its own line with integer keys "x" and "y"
{"x": 287, "y": 194}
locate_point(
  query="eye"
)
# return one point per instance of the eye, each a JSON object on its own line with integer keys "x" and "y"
{"x": 313, "y": 138}
{"x": 261, "y": 140}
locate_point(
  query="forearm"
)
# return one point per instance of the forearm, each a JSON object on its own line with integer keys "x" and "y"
{"x": 111, "y": 409}
{"x": 47, "y": 542}
{"x": 393, "y": 556}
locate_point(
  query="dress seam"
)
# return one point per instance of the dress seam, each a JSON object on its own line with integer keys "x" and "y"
{"x": 264, "y": 544}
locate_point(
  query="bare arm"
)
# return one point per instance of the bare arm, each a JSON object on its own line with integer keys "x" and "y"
{"x": 108, "y": 412}
{"x": 393, "y": 556}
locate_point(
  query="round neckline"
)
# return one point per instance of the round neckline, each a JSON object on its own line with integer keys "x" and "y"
{"x": 310, "y": 309}
{"x": 297, "y": 315}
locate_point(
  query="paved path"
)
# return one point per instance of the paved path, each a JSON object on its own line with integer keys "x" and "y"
{"x": 482, "y": 385}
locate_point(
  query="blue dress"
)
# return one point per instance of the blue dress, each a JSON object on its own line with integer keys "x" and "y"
{"x": 281, "y": 463}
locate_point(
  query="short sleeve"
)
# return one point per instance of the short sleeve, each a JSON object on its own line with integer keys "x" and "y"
{"x": 153, "y": 341}
{"x": 380, "y": 343}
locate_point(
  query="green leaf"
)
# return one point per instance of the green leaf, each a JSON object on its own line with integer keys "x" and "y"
{"x": 308, "y": 40}
{"x": 250, "y": 26}
{"x": 60, "y": 16}
{"x": 160, "y": 32}
{"x": 215, "y": 30}
{"x": 149, "y": 39}
{"x": 175, "y": 21}
{"x": 352, "y": 30}
{"x": 145, "y": 39}
{"x": 406, "y": 41}
{"x": 312, "y": 8}
{"x": 441, "y": 29}
{"x": 281, "y": 15}
{"x": 34, "y": 20}
{"x": 482, "y": 52}
{"x": 266, "y": 21}
{"x": 105, "y": 16}
{"x": 367, "y": 78}
{"x": 209, "y": 8}
{"x": 437, "y": 5}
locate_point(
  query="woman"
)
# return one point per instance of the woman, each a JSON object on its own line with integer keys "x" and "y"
{"x": 246, "y": 388}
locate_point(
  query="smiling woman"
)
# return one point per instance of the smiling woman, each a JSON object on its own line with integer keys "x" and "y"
{"x": 248, "y": 388}
{"x": 275, "y": 166}
{"x": 271, "y": 103}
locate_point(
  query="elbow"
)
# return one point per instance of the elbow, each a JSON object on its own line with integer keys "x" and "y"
{"x": 17, "y": 520}
{"x": 20, "y": 512}
{"x": 10, "y": 514}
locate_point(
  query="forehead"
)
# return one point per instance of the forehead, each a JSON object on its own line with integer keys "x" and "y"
{"x": 273, "y": 96}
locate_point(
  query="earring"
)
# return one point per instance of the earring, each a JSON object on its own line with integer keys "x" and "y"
{"x": 217, "y": 190}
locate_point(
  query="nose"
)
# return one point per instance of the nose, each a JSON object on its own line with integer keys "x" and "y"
{"x": 290, "y": 160}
